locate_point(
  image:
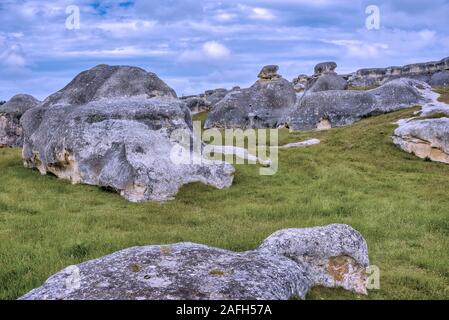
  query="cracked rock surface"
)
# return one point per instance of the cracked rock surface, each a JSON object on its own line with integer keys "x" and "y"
{"x": 287, "y": 264}
{"x": 344, "y": 107}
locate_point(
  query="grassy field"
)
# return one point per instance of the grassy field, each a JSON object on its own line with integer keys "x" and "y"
{"x": 355, "y": 176}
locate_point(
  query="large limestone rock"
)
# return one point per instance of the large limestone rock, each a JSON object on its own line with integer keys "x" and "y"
{"x": 263, "y": 105}
{"x": 112, "y": 127}
{"x": 338, "y": 108}
{"x": 286, "y": 265}
{"x": 419, "y": 71}
{"x": 427, "y": 139}
{"x": 10, "y": 114}
{"x": 427, "y": 135}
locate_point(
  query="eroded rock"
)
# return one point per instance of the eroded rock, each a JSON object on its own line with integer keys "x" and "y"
{"x": 322, "y": 110}
{"x": 427, "y": 139}
{"x": 287, "y": 264}
{"x": 263, "y": 105}
{"x": 10, "y": 114}
{"x": 419, "y": 71}
{"x": 112, "y": 127}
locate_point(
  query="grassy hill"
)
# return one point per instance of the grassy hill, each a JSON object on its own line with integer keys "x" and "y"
{"x": 355, "y": 176}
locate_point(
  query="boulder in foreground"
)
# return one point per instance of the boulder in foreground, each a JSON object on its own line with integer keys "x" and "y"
{"x": 287, "y": 264}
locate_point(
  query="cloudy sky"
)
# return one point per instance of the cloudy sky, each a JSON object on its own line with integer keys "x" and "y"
{"x": 195, "y": 45}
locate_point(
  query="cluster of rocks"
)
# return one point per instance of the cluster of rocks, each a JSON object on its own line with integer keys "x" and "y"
{"x": 112, "y": 127}
{"x": 435, "y": 73}
{"x": 10, "y": 114}
{"x": 287, "y": 264}
{"x": 273, "y": 101}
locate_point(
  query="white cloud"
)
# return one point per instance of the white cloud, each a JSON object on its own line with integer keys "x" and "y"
{"x": 261, "y": 14}
{"x": 11, "y": 55}
{"x": 209, "y": 51}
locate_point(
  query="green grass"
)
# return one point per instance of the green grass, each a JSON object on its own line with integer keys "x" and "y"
{"x": 356, "y": 176}
{"x": 444, "y": 91}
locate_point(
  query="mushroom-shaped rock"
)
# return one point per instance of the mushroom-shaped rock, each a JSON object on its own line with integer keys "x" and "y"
{"x": 325, "y": 67}
{"x": 10, "y": 114}
{"x": 118, "y": 127}
{"x": 288, "y": 264}
{"x": 269, "y": 72}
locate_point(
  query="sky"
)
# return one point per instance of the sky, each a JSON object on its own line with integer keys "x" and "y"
{"x": 197, "y": 45}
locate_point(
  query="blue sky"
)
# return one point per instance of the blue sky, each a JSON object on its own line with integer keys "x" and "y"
{"x": 197, "y": 45}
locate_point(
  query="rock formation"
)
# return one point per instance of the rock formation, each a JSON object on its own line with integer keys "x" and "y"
{"x": 440, "y": 79}
{"x": 112, "y": 126}
{"x": 263, "y": 105}
{"x": 10, "y": 114}
{"x": 326, "y": 109}
{"x": 197, "y": 104}
{"x": 207, "y": 101}
{"x": 427, "y": 135}
{"x": 300, "y": 83}
{"x": 287, "y": 264}
{"x": 426, "y": 139}
{"x": 419, "y": 71}
{"x": 325, "y": 68}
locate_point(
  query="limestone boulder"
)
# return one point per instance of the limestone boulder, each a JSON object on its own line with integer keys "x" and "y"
{"x": 115, "y": 127}
{"x": 427, "y": 139}
{"x": 10, "y": 114}
{"x": 287, "y": 264}
{"x": 327, "y": 109}
{"x": 263, "y": 105}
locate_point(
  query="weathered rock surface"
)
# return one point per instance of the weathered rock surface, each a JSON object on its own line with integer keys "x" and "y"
{"x": 269, "y": 72}
{"x": 263, "y": 105}
{"x": 300, "y": 83}
{"x": 287, "y": 264}
{"x": 327, "y": 82}
{"x": 112, "y": 127}
{"x": 197, "y": 104}
{"x": 207, "y": 100}
{"x": 419, "y": 71}
{"x": 325, "y": 68}
{"x": 326, "y": 109}
{"x": 427, "y": 139}
{"x": 427, "y": 135}
{"x": 10, "y": 114}
{"x": 301, "y": 144}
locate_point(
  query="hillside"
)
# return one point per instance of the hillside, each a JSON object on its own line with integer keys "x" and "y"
{"x": 355, "y": 176}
